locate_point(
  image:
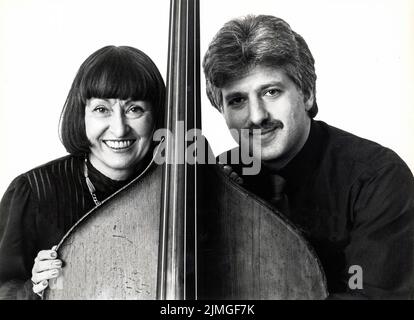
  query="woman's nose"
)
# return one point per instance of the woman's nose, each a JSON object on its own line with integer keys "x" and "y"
{"x": 119, "y": 126}
{"x": 257, "y": 112}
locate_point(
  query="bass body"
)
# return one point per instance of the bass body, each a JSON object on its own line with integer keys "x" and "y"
{"x": 112, "y": 252}
{"x": 244, "y": 248}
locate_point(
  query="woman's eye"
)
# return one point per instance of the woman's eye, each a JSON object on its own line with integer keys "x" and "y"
{"x": 135, "y": 110}
{"x": 100, "y": 109}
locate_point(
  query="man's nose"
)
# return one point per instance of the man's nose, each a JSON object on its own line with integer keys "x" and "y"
{"x": 119, "y": 125}
{"x": 257, "y": 112}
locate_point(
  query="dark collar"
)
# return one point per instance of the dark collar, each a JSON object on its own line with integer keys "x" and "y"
{"x": 297, "y": 172}
{"x": 304, "y": 164}
{"x": 105, "y": 186}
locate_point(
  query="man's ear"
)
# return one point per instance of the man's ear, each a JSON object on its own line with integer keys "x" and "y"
{"x": 309, "y": 99}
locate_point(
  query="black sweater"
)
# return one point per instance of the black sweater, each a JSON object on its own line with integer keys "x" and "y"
{"x": 36, "y": 211}
{"x": 354, "y": 201}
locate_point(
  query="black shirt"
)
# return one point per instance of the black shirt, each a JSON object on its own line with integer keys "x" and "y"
{"x": 36, "y": 211}
{"x": 354, "y": 201}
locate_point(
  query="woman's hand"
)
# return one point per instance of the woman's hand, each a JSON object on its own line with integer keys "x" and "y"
{"x": 46, "y": 266}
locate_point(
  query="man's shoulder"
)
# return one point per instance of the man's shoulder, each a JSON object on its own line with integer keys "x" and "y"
{"x": 348, "y": 148}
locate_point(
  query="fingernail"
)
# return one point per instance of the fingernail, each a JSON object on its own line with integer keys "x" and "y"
{"x": 44, "y": 282}
{"x": 53, "y": 254}
{"x": 55, "y": 271}
{"x": 57, "y": 263}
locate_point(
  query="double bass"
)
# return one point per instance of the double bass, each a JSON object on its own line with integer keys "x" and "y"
{"x": 182, "y": 229}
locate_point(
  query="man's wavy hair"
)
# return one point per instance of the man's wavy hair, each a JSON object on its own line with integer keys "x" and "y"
{"x": 246, "y": 42}
{"x": 111, "y": 72}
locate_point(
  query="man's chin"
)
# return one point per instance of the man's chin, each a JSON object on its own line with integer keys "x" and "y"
{"x": 269, "y": 155}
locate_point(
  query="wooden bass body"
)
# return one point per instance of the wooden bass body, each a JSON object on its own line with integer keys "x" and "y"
{"x": 245, "y": 249}
{"x": 112, "y": 252}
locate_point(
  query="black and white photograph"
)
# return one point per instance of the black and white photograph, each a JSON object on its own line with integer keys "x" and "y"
{"x": 194, "y": 150}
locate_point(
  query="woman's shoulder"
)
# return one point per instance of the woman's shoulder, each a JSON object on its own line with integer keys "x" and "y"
{"x": 48, "y": 175}
{"x": 66, "y": 163}
{"x": 41, "y": 180}
{"x": 60, "y": 165}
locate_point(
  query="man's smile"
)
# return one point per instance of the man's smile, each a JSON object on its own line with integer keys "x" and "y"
{"x": 266, "y": 132}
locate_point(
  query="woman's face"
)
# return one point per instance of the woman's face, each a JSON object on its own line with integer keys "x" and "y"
{"x": 120, "y": 133}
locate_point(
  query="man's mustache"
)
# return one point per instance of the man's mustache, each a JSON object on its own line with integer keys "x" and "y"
{"x": 265, "y": 126}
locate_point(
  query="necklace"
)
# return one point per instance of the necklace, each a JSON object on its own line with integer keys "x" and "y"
{"x": 89, "y": 183}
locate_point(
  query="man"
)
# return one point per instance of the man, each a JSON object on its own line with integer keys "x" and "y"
{"x": 352, "y": 198}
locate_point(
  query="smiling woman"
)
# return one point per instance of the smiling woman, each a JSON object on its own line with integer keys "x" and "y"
{"x": 120, "y": 133}
{"x": 115, "y": 104}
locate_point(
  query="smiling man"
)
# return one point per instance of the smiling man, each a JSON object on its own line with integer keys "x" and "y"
{"x": 352, "y": 198}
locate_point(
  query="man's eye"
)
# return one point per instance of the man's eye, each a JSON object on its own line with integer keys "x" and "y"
{"x": 236, "y": 102}
{"x": 272, "y": 92}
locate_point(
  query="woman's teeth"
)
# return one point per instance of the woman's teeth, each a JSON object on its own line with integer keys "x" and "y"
{"x": 119, "y": 144}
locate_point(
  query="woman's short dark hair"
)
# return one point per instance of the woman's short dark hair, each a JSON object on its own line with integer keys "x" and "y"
{"x": 111, "y": 72}
{"x": 249, "y": 41}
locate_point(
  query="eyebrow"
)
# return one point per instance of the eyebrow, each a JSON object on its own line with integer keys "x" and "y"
{"x": 108, "y": 100}
{"x": 233, "y": 95}
{"x": 237, "y": 94}
{"x": 271, "y": 84}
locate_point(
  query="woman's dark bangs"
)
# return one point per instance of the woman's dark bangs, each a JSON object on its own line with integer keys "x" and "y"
{"x": 118, "y": 79}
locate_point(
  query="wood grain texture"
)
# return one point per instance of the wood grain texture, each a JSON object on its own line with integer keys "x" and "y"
{"x": 113, "y": 252}
{"x": 245, "y": 249}
{"x": 249, "y": 251}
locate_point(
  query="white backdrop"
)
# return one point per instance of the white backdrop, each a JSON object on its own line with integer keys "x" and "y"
{"x": 364, "y": 52}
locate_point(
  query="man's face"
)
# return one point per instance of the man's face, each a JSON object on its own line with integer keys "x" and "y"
{"x": 267, "y": 99}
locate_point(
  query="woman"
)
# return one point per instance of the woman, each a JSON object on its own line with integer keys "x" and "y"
{"x": 112, "y": 110}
